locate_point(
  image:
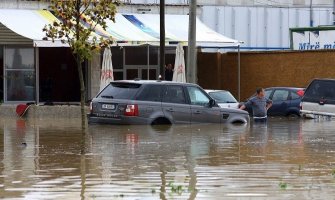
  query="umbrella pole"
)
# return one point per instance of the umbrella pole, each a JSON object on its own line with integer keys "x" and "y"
{"x": 148, "y": 62}
{"x": 239, "y": 72}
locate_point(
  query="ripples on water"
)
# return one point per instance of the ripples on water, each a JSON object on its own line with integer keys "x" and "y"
{"x": 291, "y": 159}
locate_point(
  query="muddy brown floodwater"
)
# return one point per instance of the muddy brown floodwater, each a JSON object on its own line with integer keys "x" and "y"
{"x": 283, "y": 159}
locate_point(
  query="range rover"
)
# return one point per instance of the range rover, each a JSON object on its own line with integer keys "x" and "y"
{"x": 159, "y": 102}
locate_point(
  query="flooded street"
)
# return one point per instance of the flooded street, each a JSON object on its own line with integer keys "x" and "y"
{"x": 285, "y": 158}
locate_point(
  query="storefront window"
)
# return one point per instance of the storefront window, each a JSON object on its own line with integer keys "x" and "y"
{"x": 139, "y": 55}
{"x": 153, "y": 55}
{"x": 136, "y": 55}
{"x": 118, "y": 75}
{"x": 20, "y": 74}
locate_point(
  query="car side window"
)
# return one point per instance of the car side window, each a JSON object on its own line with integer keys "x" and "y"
{"x": 174, "y": 94}
{"x": 280, "y": 95}
{"x": 294, "y": 95}
{"x": 197, "y": 97}
{"x": 150, "y": 93}
{"x": 268, "y": 93}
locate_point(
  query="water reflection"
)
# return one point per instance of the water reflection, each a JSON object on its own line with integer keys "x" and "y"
{"x": 280, "y": 159}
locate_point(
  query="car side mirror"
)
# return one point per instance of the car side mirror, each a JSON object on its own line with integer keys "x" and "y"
{"x": 211, "y": 103}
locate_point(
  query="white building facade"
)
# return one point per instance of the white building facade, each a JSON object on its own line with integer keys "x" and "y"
{"x": 260, "y": 24}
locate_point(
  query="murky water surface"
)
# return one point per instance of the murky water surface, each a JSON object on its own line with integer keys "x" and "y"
{"x": 283, "y": 159}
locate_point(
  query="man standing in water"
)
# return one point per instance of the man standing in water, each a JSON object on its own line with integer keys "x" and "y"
{"x": 260, "y": 105}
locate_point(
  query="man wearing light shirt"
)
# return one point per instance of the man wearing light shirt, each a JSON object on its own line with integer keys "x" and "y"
{"x": 260, "y": 105}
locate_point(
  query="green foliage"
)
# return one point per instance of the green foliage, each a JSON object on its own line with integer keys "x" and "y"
{"x": 333, "y": 173}
{"x": 78, "y": 22}
{"x": 178, "y": 189}
{"x": 283, "y": 185}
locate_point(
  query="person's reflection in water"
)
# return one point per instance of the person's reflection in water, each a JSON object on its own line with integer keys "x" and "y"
{"x": 259, "y": 136}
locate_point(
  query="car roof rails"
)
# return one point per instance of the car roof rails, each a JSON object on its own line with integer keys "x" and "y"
{"x": 137, "y": 79}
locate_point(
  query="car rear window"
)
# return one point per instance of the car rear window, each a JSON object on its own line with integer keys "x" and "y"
{"x": 120, "y": 91}
{"x": 320, "y": 89}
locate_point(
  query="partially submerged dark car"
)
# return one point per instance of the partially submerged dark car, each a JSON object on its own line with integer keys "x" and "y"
{"x": 159, "y": 102}
{"x": 285, "y": 101}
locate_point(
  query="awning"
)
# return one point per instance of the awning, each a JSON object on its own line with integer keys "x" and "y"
{"x": 176, "y": 28}
{"x": 128, "y": 29}
{"x": 29, "y": 24}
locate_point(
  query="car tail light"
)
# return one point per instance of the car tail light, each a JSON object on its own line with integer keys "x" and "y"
{"x": 131, "y": 110}
{"x": 91, "y": 107}
{"x": 300, "y": 93}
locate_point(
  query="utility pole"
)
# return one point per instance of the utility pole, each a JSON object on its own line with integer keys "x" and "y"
{"x": 162, "y": 39}
{"x": 191, "y": 70}
{"x": 334, "y": 12}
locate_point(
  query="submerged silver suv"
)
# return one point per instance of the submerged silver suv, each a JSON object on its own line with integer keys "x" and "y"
{"x": 319, "y": 99}
{"x": 159, "y": 102}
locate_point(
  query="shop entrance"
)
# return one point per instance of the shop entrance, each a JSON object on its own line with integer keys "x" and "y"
{"x": 58, "y": 76}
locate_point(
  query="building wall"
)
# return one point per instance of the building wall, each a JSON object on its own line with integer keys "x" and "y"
{"x": 265, "y": 69}
{"x": 209, "y": 70}
{"x": 263, "y": 27}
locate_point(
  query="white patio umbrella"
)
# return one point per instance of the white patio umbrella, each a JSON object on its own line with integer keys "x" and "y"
{"x": 179, "y": 65}
{"x": 106, "y": 69}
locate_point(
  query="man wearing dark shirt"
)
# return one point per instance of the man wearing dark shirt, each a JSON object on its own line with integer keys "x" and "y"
{"x": 168, "y": 72}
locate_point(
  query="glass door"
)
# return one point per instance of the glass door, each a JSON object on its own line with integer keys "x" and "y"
{"x": 141, "y": 73}
{"x": 132, "y": 74}
{"x": 152, "y": 74}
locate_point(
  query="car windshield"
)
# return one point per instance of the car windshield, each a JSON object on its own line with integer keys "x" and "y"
{"x": 120, "y": 91}
{"x": 223, "y": 97}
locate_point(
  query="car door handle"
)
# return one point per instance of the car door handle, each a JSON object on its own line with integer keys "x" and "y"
{"x": 197, "y": 112}
{"x": 170, "y": 109}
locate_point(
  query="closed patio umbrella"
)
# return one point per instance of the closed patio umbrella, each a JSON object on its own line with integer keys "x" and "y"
{"x": 179, "y": 65}
{"x": 107, "y": 69}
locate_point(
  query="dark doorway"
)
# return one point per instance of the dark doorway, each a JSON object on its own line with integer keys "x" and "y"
{"x": 58, "y": 76}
